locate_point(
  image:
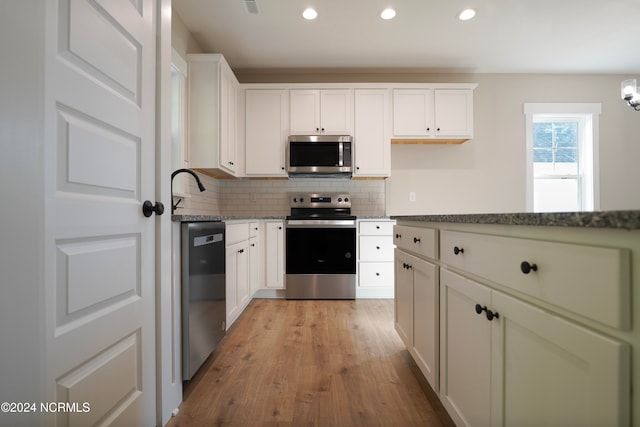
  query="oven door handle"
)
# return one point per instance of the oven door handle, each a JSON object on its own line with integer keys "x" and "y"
{"x": 320, "y": 223}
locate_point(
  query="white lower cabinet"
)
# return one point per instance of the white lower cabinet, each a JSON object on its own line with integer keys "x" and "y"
{"x": 505, "y": 362}
{"x": 237, "y": 278}
{"x": 239, "y": 268}
{"x": 512, "y": 348}
{"x": 274, "y": 253}
{"x": 416, "y": 311}
{"x": 375, "y": 258}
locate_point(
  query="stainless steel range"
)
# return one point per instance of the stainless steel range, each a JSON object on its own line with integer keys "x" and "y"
{"x": 320, "y": 260}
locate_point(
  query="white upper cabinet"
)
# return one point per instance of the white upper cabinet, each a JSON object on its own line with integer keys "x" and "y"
{"x": 327, "y": 112}
{"x": 266, "y": 131}
{"x": 213, "y": 91}
{"x": 372, "y": 143}
{"x": 440, "y": 115}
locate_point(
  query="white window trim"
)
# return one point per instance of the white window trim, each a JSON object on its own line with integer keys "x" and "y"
{"x": 593, "y": 109}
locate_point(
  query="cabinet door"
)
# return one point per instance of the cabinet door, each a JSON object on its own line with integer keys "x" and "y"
{"x": 372, "y": 133}
{"x": 454, "y": 113}
{"x": 231, "y": 272}
{"x": 425, "y": 319}
{"x": 243, "y": 292}
{"x": 304, "y": 112}
{"x": 403, "y": 291}
{"x": 554, "y": 371}
{"x": 465, "y": 350}
{"x": 413, "y": 112}
{"x": 274, "y": 249}
{"x": 228, "y": 103}
{"x": 266, "y": 132}
{"x": 336, "y": 112}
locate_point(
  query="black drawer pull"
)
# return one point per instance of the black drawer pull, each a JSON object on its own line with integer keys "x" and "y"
{"x": 457, "y": 250}
{"x": 527, "y": 268}
{"x": 490, "y": 314}
{"x": 416, "y": 240}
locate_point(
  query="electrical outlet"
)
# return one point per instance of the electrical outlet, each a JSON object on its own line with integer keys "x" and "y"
{"x": 412, "y": 196}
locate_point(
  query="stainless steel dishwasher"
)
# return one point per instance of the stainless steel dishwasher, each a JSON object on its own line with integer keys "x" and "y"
{"x": 203, "y": 292}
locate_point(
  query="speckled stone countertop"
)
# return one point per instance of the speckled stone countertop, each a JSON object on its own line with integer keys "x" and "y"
{"x": 200, "y": 218}
{"x": 628, "y": 220}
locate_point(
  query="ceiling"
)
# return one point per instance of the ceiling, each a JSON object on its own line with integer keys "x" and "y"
{"x": 506, "y": 36}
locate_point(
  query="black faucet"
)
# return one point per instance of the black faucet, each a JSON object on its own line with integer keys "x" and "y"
{"x": 176, "y": 172}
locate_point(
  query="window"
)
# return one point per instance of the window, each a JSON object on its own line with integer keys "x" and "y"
{"x": 179, "y": 146}
{"x": 562, "y": 153}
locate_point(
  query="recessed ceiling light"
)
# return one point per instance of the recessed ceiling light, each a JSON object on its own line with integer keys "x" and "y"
{"x": 388, "y": 13}
{"x": 310, "y": 14}
{"x": 466, "y": 14}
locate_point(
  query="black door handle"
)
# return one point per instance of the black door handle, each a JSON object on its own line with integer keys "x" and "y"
{"x": 149, "y": 208}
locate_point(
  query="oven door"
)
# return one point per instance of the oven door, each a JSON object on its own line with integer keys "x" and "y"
{"x": 320, "y": 259}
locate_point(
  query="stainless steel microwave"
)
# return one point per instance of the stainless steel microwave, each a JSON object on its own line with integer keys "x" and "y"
{"x": 320, "y": 156}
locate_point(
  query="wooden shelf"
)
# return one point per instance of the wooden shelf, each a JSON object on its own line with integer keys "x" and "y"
{"x": 428, "y": 141}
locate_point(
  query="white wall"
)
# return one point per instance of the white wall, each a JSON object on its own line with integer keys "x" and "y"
{"x": 22, "y": 319}
{"x": 487, "y": 174}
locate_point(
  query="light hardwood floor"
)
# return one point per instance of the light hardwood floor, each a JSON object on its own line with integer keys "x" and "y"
{"x": 310, "y": 363}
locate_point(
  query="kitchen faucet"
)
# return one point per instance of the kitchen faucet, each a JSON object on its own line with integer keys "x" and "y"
{"x": 176, "y": 172}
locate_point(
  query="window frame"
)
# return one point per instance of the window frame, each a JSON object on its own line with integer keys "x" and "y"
{"x": 588, "y": 115}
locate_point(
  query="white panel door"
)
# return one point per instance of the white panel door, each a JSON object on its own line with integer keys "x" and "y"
{"x": 99, "y": 248}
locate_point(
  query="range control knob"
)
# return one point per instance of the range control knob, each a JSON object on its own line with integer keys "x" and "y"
{"x": 346, "y": 199}
{"x": 339, "y": 199}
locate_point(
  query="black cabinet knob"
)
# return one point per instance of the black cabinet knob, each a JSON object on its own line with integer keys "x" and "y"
{"x": 377, "y": 227}
{"x": 398, "y": 236}
{"x": 457, "y": 250}
{"x": 378, "y": 247}
{"x": 480, "y": 309}
{"x": 492, "y": 315}
{"x": 527, "y": 268}
{"x": 416, "y": 240}
{"x": 149, "y": 208}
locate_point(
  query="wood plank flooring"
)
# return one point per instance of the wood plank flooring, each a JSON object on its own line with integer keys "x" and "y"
{"x": 310, "y": 363}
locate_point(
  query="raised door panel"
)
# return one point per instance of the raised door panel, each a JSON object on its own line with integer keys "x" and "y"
{"x": 231, "y": 273}
{"x": 275, "y": 254}
{"x": 465, "y": 350}
{"x": 228, "y": 115}
{"x": 243, "y": 291}
{"x": 372, "y": 133}
{"x": 336, "y": 112}
{"x": 403, "y": 291}
{"x": 265, "y": 132}
{"x": 426, "y": 320}
{"x": 555, "y": 371}
{"x": 454, "y": 113}
{"x": 413, "y": 112}
{"x": 304, "y": 112}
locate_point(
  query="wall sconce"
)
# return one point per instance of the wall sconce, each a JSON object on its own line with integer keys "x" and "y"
{"x": 631, "y": 93}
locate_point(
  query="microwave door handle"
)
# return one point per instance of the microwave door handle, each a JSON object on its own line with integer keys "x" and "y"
{"x": 340, "y": 154}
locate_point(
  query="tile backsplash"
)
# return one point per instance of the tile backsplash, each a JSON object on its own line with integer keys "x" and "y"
{"x": 247, "y": 197}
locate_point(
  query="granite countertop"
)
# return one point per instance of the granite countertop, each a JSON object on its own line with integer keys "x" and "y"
{"x": 628, "y": 220}
{"x": 200, "y": 218}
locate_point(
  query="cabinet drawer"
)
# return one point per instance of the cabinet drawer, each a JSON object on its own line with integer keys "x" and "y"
{"x": 236, "y": 232}
{"x": 376, "y": 248}
{"x": 376, "y": 274}
{"x": 376, "y": 228}
{"x": 422, "y": 241}
{"x": 588, "y": 280}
